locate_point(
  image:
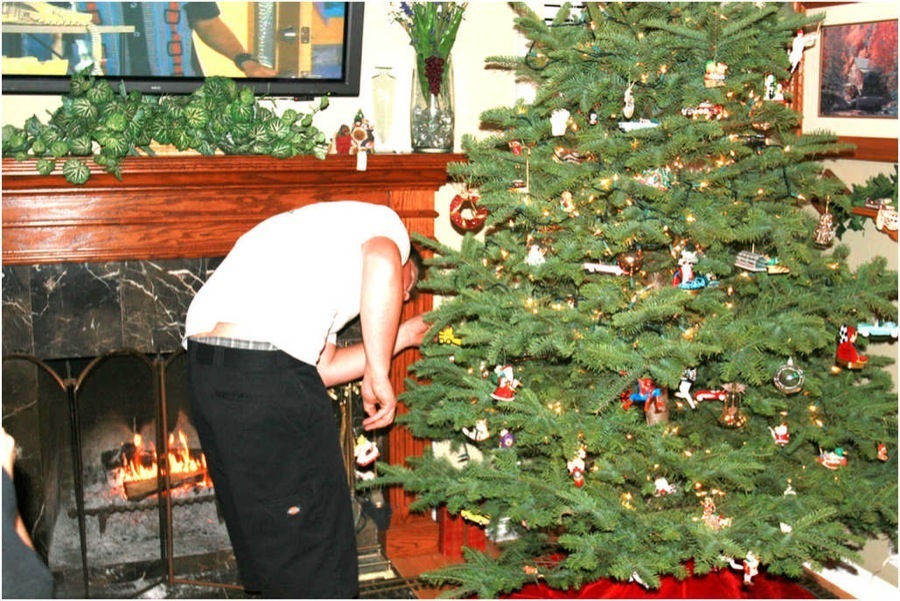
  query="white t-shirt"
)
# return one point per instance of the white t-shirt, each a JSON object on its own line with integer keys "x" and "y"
{"x": 295, "y": 279}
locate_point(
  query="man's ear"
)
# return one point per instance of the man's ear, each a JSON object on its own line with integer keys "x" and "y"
{"x": 410, "y": 278}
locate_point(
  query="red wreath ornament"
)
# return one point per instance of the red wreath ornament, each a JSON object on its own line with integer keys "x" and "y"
{"x": 465, "y": 214}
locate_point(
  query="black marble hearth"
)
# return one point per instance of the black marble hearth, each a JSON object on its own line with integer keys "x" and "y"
{"x": 71, "y": 310}
{"x": 63, "y": 325}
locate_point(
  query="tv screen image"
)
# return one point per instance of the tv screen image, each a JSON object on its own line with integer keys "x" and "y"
{"x": 299, "y": 49}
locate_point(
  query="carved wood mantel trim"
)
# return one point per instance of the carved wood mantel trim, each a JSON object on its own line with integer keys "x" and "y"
{"x": 196, "y": 206}
{"x": 192, "y": 206}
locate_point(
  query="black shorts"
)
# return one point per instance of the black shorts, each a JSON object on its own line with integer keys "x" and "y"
{"x": 268, "y": 430}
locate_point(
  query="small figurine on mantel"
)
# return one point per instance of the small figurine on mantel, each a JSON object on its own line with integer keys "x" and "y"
{"x": 363, "y": 134}
{"x": 342, "y": 141}
{"x": 350, "y": 140}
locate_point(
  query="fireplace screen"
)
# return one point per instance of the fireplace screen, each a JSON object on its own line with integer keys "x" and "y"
{"x": 124, "y": 498}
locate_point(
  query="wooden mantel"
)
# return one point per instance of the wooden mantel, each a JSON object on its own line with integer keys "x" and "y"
{"x": 190, "y": 206}
{"x": 193, "y": 206}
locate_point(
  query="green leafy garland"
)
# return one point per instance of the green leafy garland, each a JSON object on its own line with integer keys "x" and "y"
{"x": 96, "y": 120}
{"x": 876, "y": 187}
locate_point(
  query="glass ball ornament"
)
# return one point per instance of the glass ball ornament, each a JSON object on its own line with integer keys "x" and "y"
{"x": 630, "y": 262}
{"x": 789, "y": 378}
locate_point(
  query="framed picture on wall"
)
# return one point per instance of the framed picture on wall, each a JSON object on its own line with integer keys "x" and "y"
{"x": 848, "y": 79}
{"x": 859, "y": 70}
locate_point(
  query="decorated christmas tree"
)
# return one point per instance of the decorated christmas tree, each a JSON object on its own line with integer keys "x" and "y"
{"x": 649, "y": 364}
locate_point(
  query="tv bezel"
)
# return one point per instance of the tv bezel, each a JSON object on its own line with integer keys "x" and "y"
{"x": 301, "y": 89}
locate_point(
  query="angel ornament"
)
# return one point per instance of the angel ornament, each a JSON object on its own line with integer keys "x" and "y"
{"x": 801, "y": 42}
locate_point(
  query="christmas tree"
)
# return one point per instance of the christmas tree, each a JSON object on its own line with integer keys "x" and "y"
{"x": 650, "y": 359}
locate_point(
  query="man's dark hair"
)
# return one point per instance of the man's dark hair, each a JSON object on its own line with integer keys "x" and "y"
{"x": 415, "y": 256}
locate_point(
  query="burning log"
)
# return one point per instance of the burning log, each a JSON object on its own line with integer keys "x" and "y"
{"x": 135, "y": 468}
{"x": 119, "y": 457}
{"x": 138, "y": 490}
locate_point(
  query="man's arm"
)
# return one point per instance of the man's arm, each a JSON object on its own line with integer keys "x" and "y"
{"x": 218, "y": 36}
{"x": 345, "y": 364}
{"x": 379, "y": 315}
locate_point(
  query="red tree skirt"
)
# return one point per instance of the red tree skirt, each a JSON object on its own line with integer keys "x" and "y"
{"x": 724, "y": 584}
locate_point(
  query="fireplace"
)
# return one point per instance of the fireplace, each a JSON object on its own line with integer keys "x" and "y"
{"x": 96, "y": 283}
{"x": 107, "y": 401}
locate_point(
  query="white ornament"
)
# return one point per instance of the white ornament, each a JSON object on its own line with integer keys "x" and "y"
{"x": 750, "y": 567}
{"x": 684, "y": 387}
{"x": 628, "y": 109}
{"x": 801, "y": 42}
{"x": 603, "y": 268}
{"x": 558, "y": 122}
{"x": 479, "y": 432}
{"x": 773, "y": 89}
{"x": 535, "y": 256}
{"x": 576, "y": 463}
{"x": 663, "y": 487}
{"x": 636, "y": 578}
{"x": 366, "y": 451}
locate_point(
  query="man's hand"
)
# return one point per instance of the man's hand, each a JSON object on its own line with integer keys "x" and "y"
{"x": 411, "y": 333}
{"x": 253, "y": 68}
{"x": 379, "y": 401}
{"x": 9, "y": 452}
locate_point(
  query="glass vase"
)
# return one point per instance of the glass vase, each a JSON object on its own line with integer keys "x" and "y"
{"x": 383, "y": 87}
{"x": 431, "y": 110}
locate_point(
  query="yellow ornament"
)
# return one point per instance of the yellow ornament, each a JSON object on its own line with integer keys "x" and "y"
{"x": 446, "y": 336}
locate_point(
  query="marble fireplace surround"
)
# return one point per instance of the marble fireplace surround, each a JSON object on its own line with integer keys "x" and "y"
{"x": 114, "y": 263}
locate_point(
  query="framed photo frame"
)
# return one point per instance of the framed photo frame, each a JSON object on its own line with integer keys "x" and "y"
{"x": 845, "y": 53}
{"x": 859, "y": 70}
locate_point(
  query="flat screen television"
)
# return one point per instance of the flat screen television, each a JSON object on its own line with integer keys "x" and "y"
{"x": 292, "y": 49}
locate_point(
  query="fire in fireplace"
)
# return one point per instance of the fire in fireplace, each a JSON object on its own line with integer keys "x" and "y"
{"x": 133, "y": 467}
{"x": 133, "y": 487}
